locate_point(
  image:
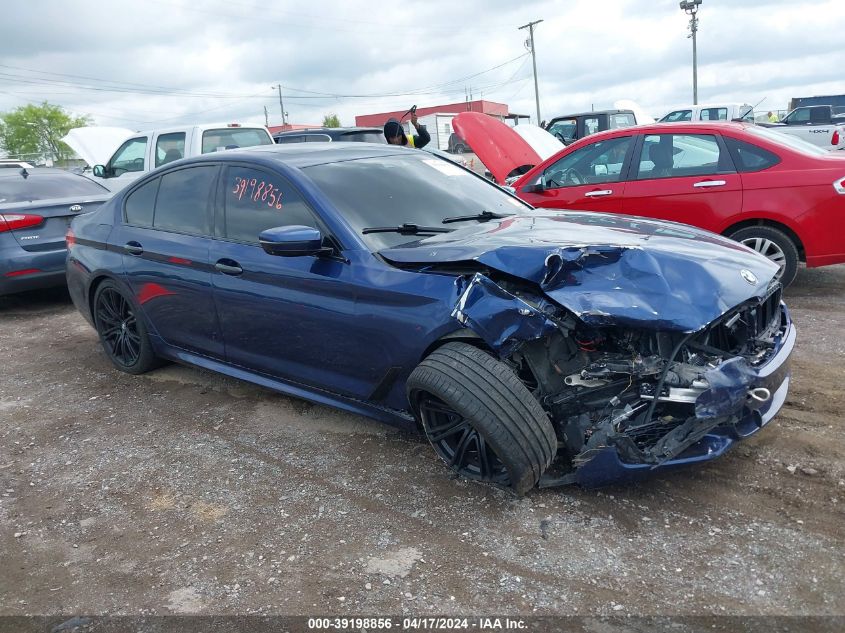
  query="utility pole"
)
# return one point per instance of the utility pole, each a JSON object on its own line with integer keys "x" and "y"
{"x": 690, "y": 7}
{"x": 282, "y": 106}
{"x": 530, "y": 44}
{"x": 266, "y": 118}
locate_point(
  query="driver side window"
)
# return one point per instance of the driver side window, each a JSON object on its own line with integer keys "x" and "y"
{"x": 130, "y": 156}
{"x": 596, "y": 163}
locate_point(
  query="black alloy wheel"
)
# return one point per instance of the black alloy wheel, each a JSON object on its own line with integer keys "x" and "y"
{"x": 118, "y": 327}
{"x": 459, "y": 444}
{"x": 122, "y": 334}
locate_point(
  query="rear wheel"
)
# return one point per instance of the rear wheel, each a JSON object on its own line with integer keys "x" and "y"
{"x": 480, "y": 419}
{"x": 122, "y": 332}
{"x": 773, "y": 244}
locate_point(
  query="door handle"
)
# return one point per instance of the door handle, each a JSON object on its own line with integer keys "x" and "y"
{"x": 228, "y": 267}
{"x": 710, "y": 183}
{"x": 599, "y": 193}
{"x": 133, "y": 248}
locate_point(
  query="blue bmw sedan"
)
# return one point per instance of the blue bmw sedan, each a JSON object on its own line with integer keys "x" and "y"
{"x": 531, "y": 347}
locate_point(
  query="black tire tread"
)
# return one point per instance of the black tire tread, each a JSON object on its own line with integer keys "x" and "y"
{"x": 493, "y": 399}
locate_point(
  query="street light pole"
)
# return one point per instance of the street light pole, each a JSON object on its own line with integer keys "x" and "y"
{"x": 690, "y": 7}
{"x": 530, "y": 27}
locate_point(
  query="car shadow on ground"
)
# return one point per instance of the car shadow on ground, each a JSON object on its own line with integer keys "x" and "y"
{"x": 35, "y": 301}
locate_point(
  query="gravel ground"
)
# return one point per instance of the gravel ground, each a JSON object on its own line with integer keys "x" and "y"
{"x": 183, "y": 491}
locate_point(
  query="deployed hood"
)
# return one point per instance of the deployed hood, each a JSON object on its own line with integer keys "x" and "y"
{"x": 609, "y": 269}
{"x": 540, "y": 140}
{"x": 497, "y": 146}
{"x": 95, "y": 145}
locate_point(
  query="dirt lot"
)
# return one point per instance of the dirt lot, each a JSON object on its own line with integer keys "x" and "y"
{"x": 184, "y": 491}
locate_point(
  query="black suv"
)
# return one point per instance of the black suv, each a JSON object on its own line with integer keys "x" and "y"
{"x": 328, "y": 134}
{"x": 571, "y": 127}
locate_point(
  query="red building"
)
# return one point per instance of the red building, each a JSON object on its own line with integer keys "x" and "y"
{"x": 487, "y": 107}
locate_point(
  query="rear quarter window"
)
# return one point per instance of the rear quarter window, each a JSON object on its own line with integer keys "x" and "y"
{"x": 748, "y": 157}
{"x": 139, "y": 205}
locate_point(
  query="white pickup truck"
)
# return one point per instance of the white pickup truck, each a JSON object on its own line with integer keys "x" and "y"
{"x": 118, "y": 155}
{"x": 822, "y": 125}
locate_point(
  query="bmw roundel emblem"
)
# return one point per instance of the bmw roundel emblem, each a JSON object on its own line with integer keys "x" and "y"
{"x": 748, "y": 276}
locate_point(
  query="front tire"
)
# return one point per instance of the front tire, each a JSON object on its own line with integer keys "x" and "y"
{"x": 773, "y": 244}
{"x": 480, "y": 419}
{"x": 122, "y": 332}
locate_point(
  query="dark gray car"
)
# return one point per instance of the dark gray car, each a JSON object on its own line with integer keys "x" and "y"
{"x": 36, "y": 207}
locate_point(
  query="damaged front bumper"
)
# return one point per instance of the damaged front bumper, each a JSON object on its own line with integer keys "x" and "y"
{"x": 717, "y": 426}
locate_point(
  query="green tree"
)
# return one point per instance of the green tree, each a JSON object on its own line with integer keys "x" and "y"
{"x": 37, "y": 130}
{"x": 331, "y": 120}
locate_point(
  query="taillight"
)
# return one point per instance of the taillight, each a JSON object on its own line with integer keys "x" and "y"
{"x": 839, "y": 185}
{"x": 70, "y": 238}
{"x": 15, "y": 221}
{"x": 834, "y": 140}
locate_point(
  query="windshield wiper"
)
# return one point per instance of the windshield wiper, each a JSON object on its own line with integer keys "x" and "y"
{"x": 406, "y": 229}
{"x": 484, "y": 216}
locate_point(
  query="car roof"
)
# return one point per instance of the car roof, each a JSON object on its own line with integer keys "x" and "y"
{"x": 304, "y": 154}
{"x": 327, "y": 130}
{"x": 677, "y": 126}
{"x": 569, "y": 116}
{"x": 38, "y": 172}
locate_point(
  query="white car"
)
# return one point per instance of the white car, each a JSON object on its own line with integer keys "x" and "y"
{"x": 711, "y": 112}
{"x": 118, "y": 156}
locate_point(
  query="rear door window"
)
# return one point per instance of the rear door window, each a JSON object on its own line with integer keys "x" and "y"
{"x": 621, "y": 120}
{"x": 182, "y": 204}
{"x": 140, "y": 204}
{"x": 169, "y": 147}
{"x": 591, "y": 125}
{"x": 714, "y": 114}
{"x": 256, "y": 200}
{"x": 233, "y": 138}
{"x": 679, "y": 155}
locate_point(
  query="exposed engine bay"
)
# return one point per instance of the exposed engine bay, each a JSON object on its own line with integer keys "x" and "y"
{"x": 649, "y": 394}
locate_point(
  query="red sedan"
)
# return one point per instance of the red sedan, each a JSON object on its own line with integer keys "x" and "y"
{"x": 774, "y": 193}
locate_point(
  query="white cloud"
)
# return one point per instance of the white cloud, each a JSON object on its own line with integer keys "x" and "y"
{"x": 589, "y": 53}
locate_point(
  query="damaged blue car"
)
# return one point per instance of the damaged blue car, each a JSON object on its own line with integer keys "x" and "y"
{"x": 532, "y": 348}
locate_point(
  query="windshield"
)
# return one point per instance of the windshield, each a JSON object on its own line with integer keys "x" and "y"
{"x": 414, "y": 188}
{"x": 16, "y": 188}
{"x": 788, "y": 141}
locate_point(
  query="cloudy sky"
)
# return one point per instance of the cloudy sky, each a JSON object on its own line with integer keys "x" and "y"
{"x": 158, "y": 63}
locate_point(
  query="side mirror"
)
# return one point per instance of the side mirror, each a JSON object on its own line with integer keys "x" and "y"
{"x": 536, "y": 187}
{"x": 99, "y": 171}
{"x": 292, "y": 241}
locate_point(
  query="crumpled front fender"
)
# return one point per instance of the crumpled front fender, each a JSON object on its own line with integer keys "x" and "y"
{"x": 501, "y": 319}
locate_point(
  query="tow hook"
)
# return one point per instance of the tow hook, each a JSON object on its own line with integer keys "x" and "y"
{"x": 759, "y": 394}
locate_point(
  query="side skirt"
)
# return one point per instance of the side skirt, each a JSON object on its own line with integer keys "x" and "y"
{"x": 401, "y": 419}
